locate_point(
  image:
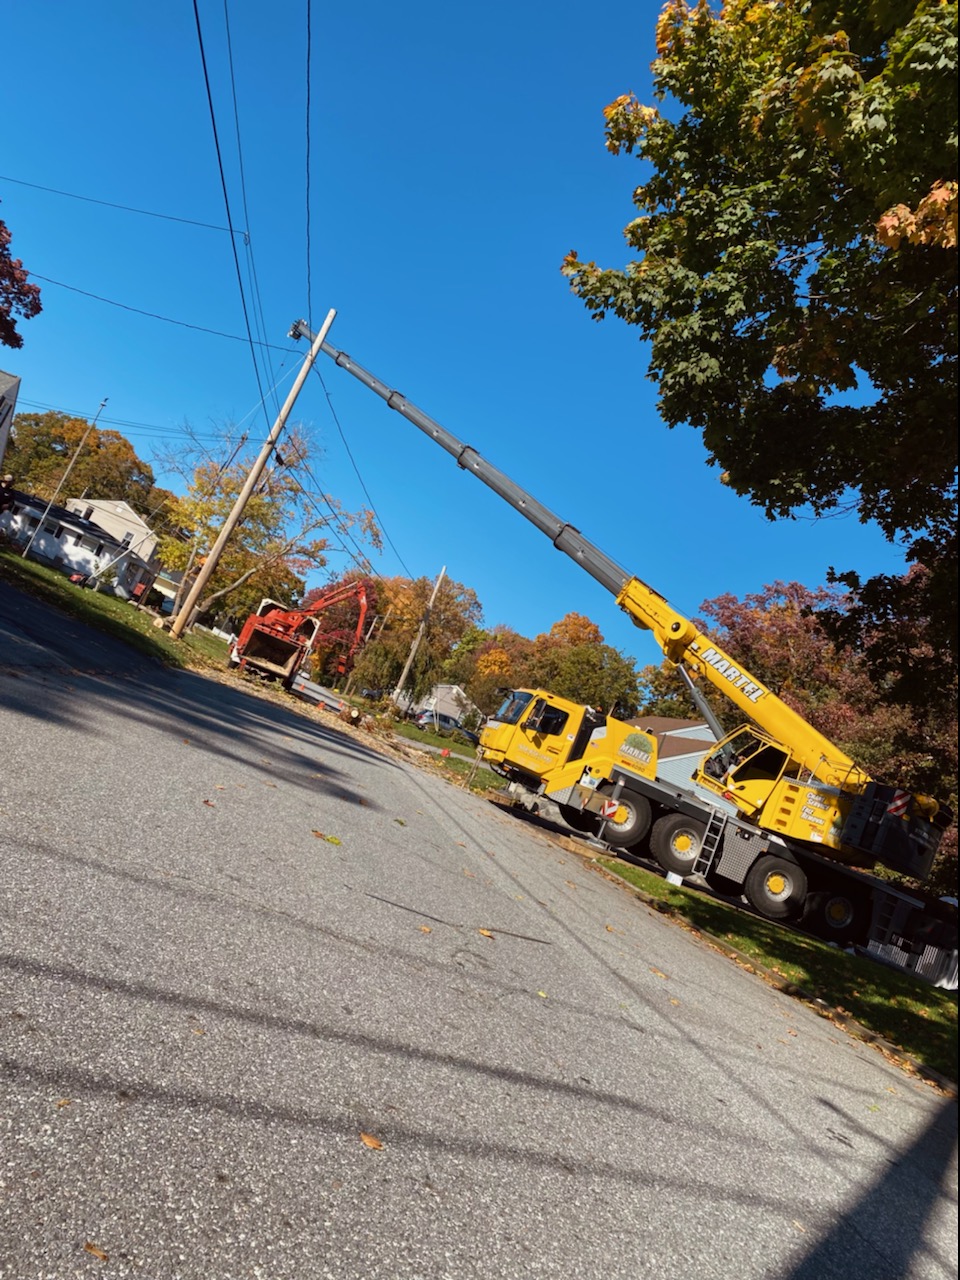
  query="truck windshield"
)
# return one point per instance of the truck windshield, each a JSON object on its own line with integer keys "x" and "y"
{"x": 513, "y": 707}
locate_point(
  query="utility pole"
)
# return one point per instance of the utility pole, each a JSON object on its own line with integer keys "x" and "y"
{"x": 233, "y": 519}
{"x": 63, "y": 479}
{"x": 417, "y": 638}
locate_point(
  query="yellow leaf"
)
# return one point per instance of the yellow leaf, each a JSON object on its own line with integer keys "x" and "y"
{"x": 674, "y": 1000}
{"x": 400, "y": 822}
{"x": 425, "y": 928}
{"x": 658, "y": 973}
{"x": 543, "y": 994}
{"x": 64, "y": 1102}
{"x": 370, "y": 1141}
{"x": 198, "y": 1031}
{"x": 96, "y": 1251}
{"x": 485, "y": 932}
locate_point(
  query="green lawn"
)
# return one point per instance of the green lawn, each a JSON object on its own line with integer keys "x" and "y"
{"x": 118, "y": 618}
{"x": 919, "y": 1019}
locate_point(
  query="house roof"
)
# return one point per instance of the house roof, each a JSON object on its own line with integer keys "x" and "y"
{"x": 62, "y": 515}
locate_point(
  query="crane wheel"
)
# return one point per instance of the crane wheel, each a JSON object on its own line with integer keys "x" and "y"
{"x": 776, "y": 888}
{"x": 630, "y": 823}
{"x": 836, "y": 917}
{"x": 676, "y": 841}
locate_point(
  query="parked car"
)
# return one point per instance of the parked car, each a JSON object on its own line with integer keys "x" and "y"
{"x": 435, "y": 720}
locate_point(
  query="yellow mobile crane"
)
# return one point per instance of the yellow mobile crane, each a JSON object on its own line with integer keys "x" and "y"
{"x": 774, "y": 810}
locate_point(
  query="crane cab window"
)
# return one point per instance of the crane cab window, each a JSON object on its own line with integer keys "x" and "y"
{"x": 767, "y": 763}
{"x": 546, "y": 720}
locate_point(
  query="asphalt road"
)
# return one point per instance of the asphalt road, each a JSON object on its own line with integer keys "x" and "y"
{"x": 238, "y": 947}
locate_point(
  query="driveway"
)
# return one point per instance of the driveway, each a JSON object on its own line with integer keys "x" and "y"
{"x": 276, "y": 1004}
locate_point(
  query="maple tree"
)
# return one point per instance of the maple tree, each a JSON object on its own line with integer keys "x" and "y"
{"x": 42, "y": 446}
{"x": 795, "y": 257}
{"x": 572, "y": 660}
{"x": 18, "y": 297}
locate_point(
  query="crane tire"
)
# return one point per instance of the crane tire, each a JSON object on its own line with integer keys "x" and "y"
{"x": 835, "y": 916}
{"x": 676, "y": 841}
{"x": 632, "y": 821}
{"x": 776, "y": 888}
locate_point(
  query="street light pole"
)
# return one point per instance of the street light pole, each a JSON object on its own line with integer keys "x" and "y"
{"x": 233, "y": 519}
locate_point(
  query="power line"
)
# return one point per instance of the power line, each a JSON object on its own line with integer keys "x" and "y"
{"x": 251, "y": 264}
{"x": 361, "y": 560}
{"x": 226, "y": 201}
{"x": 333, "y": 414}
{"x": 307, "y": 131}
{"x": 121, "y": 422}
{"x": 153, "y": 315}
{"x": 146, "y": 213}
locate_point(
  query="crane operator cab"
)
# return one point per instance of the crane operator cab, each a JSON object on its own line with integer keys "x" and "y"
{"x": 745, "y": 767}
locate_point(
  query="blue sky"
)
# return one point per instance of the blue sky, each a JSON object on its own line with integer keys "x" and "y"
{"x": 456, "y": 154}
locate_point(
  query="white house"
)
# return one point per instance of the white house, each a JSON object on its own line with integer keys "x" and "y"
{"x": 120, "y": 521}
{"x": 74, "y": 544}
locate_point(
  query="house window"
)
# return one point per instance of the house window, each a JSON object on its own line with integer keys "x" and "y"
{"x": 59, "y": 533}
{"x": 50, "y": 527}
{"x": 99, "y": 550}
{"x": 127, "y": 539}
{"x": 88, "y": 513}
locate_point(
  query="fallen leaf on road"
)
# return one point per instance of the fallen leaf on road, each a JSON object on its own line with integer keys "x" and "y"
{"x": 400, "y": 822}
{"x": 611, "y": 929}
{"x": 198, "y": 1031}
{"x": 370, "y": 1141}
{"x": 210, "y": 804}
{"x": 96, "y": 1251}
{"x": 425, "y": 928}
{"x": 485, "y": 933}
{"x": 270, "y": 784}
{"x": 64, "y": 1102}
{"x": 790, "y": 1031}
{"x": 658, "y": 973}
{"x": 220, "y": 787}
{"x": 543, "y": 994}
{"x": 186, "y": 742}
{"x": 360, "y": 800}
{"x": 329, "y": 839}
{"x": 573, "y": 886}
{"x": 674, "y": 1000}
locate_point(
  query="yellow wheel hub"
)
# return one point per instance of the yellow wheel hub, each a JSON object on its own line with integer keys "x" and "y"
{"x": 776, "y": 883}
{"x": 682, "y": 842}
